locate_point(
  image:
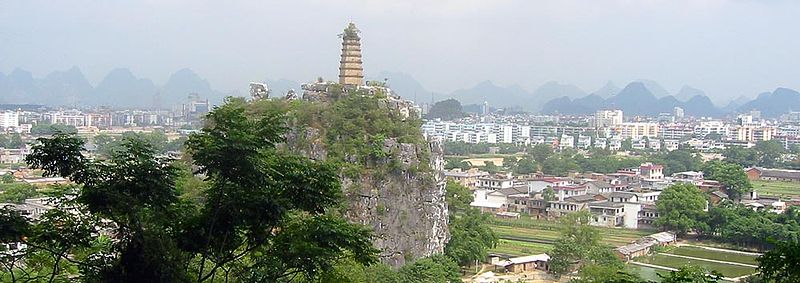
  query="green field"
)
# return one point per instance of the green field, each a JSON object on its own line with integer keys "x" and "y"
{"x": 726, "y": 270}
{"x": 777, "y": 188}
{"x": 525, "y": 236}
{"x": 715, "y": 255}
{"x": 519, "y": 248}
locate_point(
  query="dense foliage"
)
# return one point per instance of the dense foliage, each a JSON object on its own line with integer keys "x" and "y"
{"x": 462, "y": 148}
{"x": 764, "y": 154}
{"x": 470, "y": 236}
{"x": 449, "y": 109}
{"x": 49, "y": 129}
{"x": 263, "y": 216}
{"x": 106, "y": 144}
{"x": 730, "y": 175}
{"x": 681, "y": 209}
{"x": 781, "y": 264}
{"x": 11, "y": 141}
{"x": 579, "y": 245}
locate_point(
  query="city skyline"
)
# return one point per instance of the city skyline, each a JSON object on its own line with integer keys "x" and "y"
{"x": 726, "y": 48}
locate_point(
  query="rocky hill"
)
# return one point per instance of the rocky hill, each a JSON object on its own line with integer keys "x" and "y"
{"x": 391, "y": 175}
{"x": 773, "y": 104}
{"x": 637, "y": 98}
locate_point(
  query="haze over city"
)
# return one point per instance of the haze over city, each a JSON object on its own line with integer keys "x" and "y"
{"x": 726, "y": 48}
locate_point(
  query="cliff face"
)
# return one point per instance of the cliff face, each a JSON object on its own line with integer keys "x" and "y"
{"x": 407, "y": 210}
{"x": 396, "y": 186}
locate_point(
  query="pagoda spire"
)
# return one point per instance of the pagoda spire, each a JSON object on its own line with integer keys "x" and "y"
{"x": 351, "y": 72}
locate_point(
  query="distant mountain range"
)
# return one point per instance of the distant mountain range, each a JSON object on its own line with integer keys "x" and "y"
{"x": 119, "y": 88}
{"x": 637, "y": 98}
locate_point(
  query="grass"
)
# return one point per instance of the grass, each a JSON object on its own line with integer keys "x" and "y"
{"x": 727, "y": 270}
{"x": 519, "y": 248}
{"x": 777, "y": 188}
{"x": 516, "y": 232}
{"x": 715, "y": 255}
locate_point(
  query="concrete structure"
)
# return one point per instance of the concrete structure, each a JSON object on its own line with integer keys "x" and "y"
{"x": 9, "y": 120}
{"x": 524, "y": 263}
{"x": 607, "y": 118}
{"x": 642, "y": 246}
{"x": 351, "y": 72}
{"x": 773, "y": 174}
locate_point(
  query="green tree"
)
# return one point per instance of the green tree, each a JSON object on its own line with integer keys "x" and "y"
{"x": 548, "y": 194}
{"x": 449, "y": 109}
{"x": 595, "y": 273}
{"x": 691, "y": 274}
{"x": 678, "y": 161}
{"x": 266, "y": 215}
{"x": 730, "y": 175}
{"x": 781, "y": 264}
{"x": 746, "y": 157}
{"x": 769, "y": 153}
{"x": 491, "y": 167}
{"x": 526, "y": 165}
{"x": 579, "y": 245}
{"x": 559, "y": 165}
{"x": 50, "y": 129}
{"x": 510, "y": 162}
{"x": 681, "y": 209}
{"x": 7, "y": 178}
{"x": 17, "y": 192}
{"x": 434, "y": 269}
{"x": 470, "y": 235}
{"x": 627, "y": 144}
{"x": 541, "y": 152}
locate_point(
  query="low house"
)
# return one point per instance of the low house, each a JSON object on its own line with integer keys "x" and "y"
{"x": 524, "y": 263}
{"x": 488, "y": 200}
{"x": 31, "y": 208}
{"x": 648, "y": 214}
{"x": 643, "y": 245}
{"x": 597, "y": 187}
{"x": 558, "y": 208}
{"x": 468, "y": 178}
{"x": 773, "y": 174}
{"x": 563, "y": 192}
{"x": 615, "y": 214}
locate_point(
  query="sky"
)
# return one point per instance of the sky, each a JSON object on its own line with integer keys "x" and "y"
{"x": 726, "y": 48}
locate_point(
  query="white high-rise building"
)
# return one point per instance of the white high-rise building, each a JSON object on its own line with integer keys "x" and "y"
{"x": 9, "y": 119}
{"x": 677, "y": 112}
{"x": 607, "y": 118}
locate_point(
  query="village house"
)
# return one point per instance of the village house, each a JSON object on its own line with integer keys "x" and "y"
{"x": 558, "y": 208}
{"x": 767, "y": 174}
{"x": 643, "y": 245}
{"x": 523, "y": 264}
{"x": 467, "y": 178}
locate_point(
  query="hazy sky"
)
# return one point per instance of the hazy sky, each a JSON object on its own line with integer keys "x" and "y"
{"x": 727, "y": 48}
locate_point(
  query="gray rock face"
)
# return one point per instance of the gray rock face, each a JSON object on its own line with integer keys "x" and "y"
{"x": 404, "y": 205}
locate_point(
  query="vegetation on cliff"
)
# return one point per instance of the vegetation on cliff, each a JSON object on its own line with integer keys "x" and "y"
{"x": 264, "y": 214}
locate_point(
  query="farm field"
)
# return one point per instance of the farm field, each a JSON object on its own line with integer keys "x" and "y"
{"x": 727, "y": 270}
{"x": 715, "y": 255}
{"x": 525, "y": 236}
{"x": 777, "y": 188}
{"x": 519, "y": 248}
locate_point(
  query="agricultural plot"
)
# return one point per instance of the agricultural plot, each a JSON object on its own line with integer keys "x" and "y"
{"x": 699, "y": 252}
{"x": 519, "y": 248}
{"x": 516, "y": 234}
{"x": 727, "y": 270}
{"x": 777, "y": 188}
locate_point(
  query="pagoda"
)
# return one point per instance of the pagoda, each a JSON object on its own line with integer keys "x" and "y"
{"x": 351, "y": 73}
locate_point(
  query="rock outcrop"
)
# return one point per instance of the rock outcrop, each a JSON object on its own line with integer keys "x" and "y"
{"x": 400, "y": 193}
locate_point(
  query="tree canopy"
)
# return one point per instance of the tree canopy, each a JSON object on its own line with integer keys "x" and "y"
{"x": 265, "y": 214}
{"x": 449, "y": 109}
{"x": 681, "y": 209}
